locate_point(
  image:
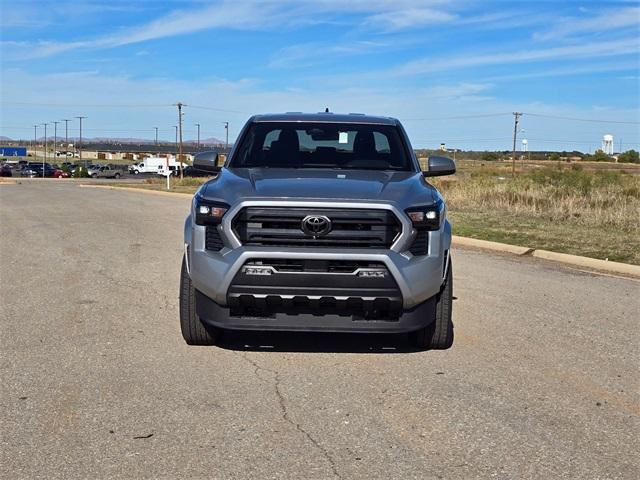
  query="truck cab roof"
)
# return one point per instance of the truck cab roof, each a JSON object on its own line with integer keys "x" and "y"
{"x": 324, "y": 117}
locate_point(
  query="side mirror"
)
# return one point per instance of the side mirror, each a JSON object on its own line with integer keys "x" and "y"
{"x": 207, "y": 162}
{"x": 439, "y": 166}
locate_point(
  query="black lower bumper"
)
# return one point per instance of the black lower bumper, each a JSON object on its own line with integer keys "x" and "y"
{"x": 215, "y": 315}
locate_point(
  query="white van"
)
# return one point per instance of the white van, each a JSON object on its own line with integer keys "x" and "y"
{"x": 152, "y": 165}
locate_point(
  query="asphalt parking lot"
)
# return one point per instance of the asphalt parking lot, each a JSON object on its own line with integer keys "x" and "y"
{"x": 542, "y": 380}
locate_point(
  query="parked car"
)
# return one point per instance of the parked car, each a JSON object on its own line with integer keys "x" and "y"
{"x": 60, "y": 173}
{"x": 108, "y": 171}
{"x": 319, "y": 222}
{"x": 6, "y": 171}
{"x": 93, "y": 170}
{"x": 34, "y": 170}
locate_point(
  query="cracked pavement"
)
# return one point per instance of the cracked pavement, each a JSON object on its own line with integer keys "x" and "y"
{"x": 542, "y": 380}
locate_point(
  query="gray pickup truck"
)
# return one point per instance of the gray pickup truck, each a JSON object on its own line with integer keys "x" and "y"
{"x": 106, "y": 171}
{"x": 319, "y": 222}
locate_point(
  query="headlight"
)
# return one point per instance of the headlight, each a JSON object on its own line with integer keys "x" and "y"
{"x": 428, "y": 217}
{"x": 208, "y": 212}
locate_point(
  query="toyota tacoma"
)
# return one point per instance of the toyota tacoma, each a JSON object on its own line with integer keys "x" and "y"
{"x": 319, "y": 222}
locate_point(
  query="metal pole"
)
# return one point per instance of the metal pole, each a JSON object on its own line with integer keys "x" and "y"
{"x": 156, "y": 138}
{"x": 55, "y": 138}
{"x": 180, "y": 128}
{"x": 80, "y": 143}
{"x": 44, "y": 159}
{"x": 226, "y": 143}
{"x": 516, "y": 116}
{"x": 35, "y": 141}
{"x": 66, "y": 134}
{"x": 198, "y": 144}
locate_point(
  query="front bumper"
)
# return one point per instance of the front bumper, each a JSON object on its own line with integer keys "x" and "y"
{"x": 215, "y": 315}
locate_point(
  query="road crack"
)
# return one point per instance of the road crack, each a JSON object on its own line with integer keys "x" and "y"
{"x": 285, "y": 412}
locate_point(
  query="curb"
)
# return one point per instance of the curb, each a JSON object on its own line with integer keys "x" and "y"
{"x": 575, "y": 260}
{"x": 485, "y": 244}
{"x": 140, "y": 190}
{"x": 615, "y": 267}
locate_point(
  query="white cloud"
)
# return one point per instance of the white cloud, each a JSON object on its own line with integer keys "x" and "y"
{"x": 610, "y": 20}
{"x": 245, "y": 15}
{"x": 580, "y": 51}
{"x": 408, "y": 18}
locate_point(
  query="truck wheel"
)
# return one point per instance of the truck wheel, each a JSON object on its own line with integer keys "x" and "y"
{"x": 438, "y": 335}
{"x": 117, "y": 175}
{"x": 95, "y": 175}
{"x": 193, "y": 330}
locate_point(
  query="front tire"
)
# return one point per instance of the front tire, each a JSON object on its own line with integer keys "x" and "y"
{"x": 438, "y": 335}
{"x": 116, "y": 176}
{"x": 193, "y": 330}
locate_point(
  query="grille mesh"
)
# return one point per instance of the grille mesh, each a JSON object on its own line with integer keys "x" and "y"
{"x": 213, "y": 241}
{"x": 282, "y": 227}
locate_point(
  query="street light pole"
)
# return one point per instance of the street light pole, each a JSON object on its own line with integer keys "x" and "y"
{"x": 55, "y": 138}
{"x": 44, "y": 160}
{"x": 180, "y": 125}
{"x": 226, "y": 127}
{"x": 35, "y": 140}
{"x": 198, "y": 145}
{"x": 66, "y": 134}
{"x": 156, "y": 128}
{"x": 80, "y": 144}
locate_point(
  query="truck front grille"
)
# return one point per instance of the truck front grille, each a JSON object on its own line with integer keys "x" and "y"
{"x": 350, "y": 228}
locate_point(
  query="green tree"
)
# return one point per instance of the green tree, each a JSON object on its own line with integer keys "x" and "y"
{"x": 554, "y": 157}
{"x": 630, "y": 156}
{"x": 600, "y": 156}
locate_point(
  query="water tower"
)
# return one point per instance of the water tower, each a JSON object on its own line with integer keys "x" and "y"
{"x": 607, "y": 144}
{"x": 525, "y": 145}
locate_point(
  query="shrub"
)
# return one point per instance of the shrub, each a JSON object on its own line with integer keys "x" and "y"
{"x": 81, "y": 172}
{"x": 630, "y": 156}
{"x": 490, "y": 157}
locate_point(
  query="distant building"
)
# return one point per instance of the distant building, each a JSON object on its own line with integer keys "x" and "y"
{"x": 13, "y": 151}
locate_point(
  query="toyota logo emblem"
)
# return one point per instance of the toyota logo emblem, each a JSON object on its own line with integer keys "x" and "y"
{"x": 316, "y": 225}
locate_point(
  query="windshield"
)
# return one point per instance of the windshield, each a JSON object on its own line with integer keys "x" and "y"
{"x": 322, "y": 145}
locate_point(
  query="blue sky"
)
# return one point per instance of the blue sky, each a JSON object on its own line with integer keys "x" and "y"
{"x": 452, "y": 71}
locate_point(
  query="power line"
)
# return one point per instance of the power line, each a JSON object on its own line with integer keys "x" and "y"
{"x": 574, "y": 119}
{"x": 459, "y": 117}
{"x": 218, "y": 109}
{"x": 116, "y": 105}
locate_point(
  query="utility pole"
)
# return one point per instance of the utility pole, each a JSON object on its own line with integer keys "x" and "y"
{"x": 156, "y": 128}
{"x": 35, "y": 141}
{"x": 226, "y": 143}
{"x": 198, "y": 125}
{"x": 66, "y": 134}
{"x": 55, "y": 138}
{"x": 80, "y": 143}
{"x": 179, "y": 105}
{"x": 44, "y": 160}
{"x": 516, "y": 118}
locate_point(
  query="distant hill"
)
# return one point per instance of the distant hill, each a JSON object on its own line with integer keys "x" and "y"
{"x": 121, "y": 141}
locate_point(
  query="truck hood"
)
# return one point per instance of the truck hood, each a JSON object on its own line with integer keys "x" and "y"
{"x": 400, "y": 188}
